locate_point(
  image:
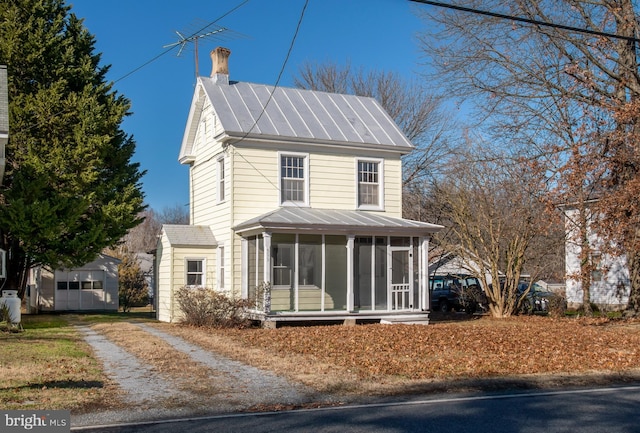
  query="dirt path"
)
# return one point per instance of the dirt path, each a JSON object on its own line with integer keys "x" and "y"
{"x": 143, "y": 360}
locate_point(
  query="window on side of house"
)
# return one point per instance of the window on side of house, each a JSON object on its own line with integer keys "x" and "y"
{"x": 369, "y": 184}
{"x": 221, "y": 285}
{"x": 294, "y": 179}
{"x": 221, "y": 180}
{"x": 596, "y": 266}
{"x": 195, "y": 272}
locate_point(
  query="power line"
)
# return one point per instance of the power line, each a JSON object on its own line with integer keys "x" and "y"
{"x": 275, "y": 87}
{"x": 527, "y": 20}
{"x": 171, "y": 47}
{"x": 153, "y": 59}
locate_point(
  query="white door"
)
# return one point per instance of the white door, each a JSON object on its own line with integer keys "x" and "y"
{"x": 401, "y": 296}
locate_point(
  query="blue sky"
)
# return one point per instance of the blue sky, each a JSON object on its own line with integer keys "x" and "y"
{"x": 376, "y": 34}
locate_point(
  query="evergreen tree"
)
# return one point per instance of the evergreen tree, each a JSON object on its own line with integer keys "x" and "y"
{"x": 70, "y": 187}
{"x": 132, "y": 285}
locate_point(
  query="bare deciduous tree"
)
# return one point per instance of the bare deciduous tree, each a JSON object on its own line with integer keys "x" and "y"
{"x": 533, "y": 84}
{"x": 497, "y": 218}
{"x": 419, "y": 112}
{"x": 175, "y": 214}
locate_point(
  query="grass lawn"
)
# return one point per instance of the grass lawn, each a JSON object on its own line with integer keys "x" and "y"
{"x": 49, "y": 366}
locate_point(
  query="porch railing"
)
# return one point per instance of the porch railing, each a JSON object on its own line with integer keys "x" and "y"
{"x": 400, "y": 296}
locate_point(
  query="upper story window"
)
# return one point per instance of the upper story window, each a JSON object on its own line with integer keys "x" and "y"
{"x": 195, "y": 272}
{"x": 221, "y": 179}
{"x": 369, "y": 184}
{"x": 294, "y": 179}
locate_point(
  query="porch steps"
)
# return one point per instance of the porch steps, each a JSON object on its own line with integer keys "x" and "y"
{"x": 414, "y": 319}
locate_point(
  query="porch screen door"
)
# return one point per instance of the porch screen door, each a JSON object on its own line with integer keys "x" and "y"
{"x": 401, "y": 285}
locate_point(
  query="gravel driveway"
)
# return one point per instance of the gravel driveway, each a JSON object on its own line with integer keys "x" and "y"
{"x": 149, "y": 395}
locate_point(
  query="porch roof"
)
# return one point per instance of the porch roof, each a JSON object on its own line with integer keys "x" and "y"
{"x": 295, "y": 219}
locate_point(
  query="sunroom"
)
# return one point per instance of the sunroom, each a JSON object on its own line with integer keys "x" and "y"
{"x": 318, "y": 263}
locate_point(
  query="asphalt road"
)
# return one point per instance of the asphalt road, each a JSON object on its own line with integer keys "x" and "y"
{"x": 611, "y": 410}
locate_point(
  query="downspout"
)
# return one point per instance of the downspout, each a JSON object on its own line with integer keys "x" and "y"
{"x": 171, "y": 288}
{"x": 191, "y": 210}
{"x": 229, "y": 181}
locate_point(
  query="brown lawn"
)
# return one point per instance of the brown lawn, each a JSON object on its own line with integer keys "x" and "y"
{"x": 52, "y": 367}
{"x": 536, "y": 351}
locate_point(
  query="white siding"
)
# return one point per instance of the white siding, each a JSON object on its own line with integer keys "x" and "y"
{"x": 203, "y": 171}
{"x": 332, "y": 182}
{"x": 612, "y": 291}
{"x": 172, "y": 275}
{"x": 163, "y": 295}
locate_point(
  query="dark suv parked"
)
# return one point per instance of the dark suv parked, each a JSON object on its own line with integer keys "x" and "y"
{"x": 539, "y": 300}
{"x": 456, "y": 292}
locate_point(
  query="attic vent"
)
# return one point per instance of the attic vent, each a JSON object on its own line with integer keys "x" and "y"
{"x": 220, "y": 62}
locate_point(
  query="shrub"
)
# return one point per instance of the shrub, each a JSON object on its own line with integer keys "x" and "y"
{"x": 5, "y": 314}
{"x": 557, "y": 306}
{"x": 209, "y": 308}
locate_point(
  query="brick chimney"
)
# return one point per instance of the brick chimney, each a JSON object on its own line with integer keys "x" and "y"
{"x": 220, "y": 61}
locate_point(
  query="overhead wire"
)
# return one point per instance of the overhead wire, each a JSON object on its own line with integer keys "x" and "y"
{"x": 527, "y": 20}
{"x": 169, "y": 49}
{"x": 148, "y": 62}
{"x": 264, "y": 107}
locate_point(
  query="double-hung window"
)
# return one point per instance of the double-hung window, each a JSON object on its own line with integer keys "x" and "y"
{"x": 221, "y": 179}
{"x": 195, "y": 272}
{"x": 294, "y": 179}
{"x": 221, "y": 285}
{"x": 369, "y": 184}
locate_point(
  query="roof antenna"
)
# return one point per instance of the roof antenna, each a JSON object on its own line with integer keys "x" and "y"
{"x": 195, "y": 36}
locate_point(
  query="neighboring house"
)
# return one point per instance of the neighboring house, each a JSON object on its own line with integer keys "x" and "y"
{"x": 93, "y": 286}
{"x": 610, "y": 284}
{"x": 145, "y": 261}
{"x": 299, "y": 191}
{"x": 444, "y": 263}
{"x": 4, "y": 118}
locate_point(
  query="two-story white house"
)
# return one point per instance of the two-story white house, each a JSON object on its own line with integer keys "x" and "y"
{"x": 609, "y": 280}
{"x": 298, "y": 191}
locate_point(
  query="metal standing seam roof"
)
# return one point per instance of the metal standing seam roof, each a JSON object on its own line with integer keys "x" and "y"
{"x": 303, "y": 115}
{"x": 334, "y": 220}
{"x": 187, "y": 235}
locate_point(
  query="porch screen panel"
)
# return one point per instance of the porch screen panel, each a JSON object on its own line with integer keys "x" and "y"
{"x": 381, "y": 273}
{"x": 415, "y": 252}
{"x": 260, "y": 263}
{"x": 283, "y": 261}
{"x": 255, "y": 269}
{"x": 309, "y": 272}
{"x": 363, "y": 273}
{"x": 335, "y": 273}
{"x": 252, "y": 268}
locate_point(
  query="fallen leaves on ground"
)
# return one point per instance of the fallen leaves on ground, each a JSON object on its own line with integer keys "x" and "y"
{"x": 475, "y": 349}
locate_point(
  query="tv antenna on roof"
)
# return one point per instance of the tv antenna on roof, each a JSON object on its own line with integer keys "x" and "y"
{"x": 194, "y": 37}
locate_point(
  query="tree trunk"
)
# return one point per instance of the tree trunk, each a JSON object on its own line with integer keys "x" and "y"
{"x": 633, "y": 305}
{"x": 17, "y": 268}
{"x": 586, "y": 266}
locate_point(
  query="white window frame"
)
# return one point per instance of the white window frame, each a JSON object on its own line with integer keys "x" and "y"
{"x": 221, "y": 179}
{"x": 305, "y": 167}
{"x": 221, "y": 268}
{"x": 380, "y": 163}
{"x": 203, "y": 282}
